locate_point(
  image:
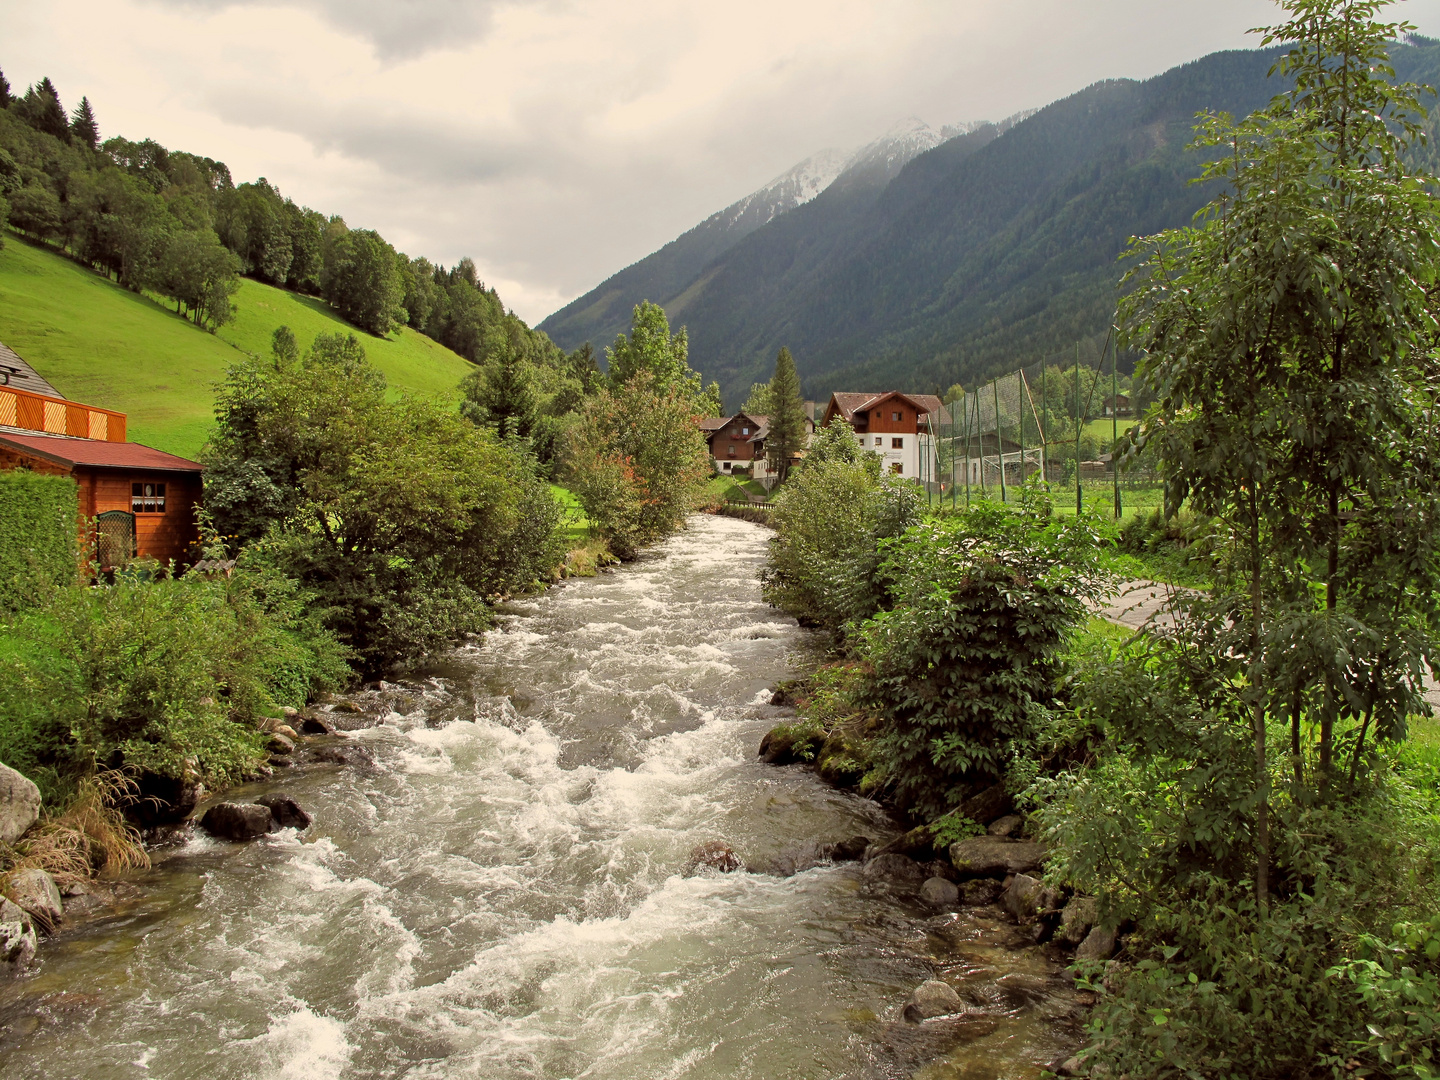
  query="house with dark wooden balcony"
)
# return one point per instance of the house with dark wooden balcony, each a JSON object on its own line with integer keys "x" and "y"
{"x": 135, "y": 501}
{"x": 899, "y": 428}
{"x": 739, "y": 441}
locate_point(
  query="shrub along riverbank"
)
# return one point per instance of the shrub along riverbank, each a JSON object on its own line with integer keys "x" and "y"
{"x": 1237, "y": 790}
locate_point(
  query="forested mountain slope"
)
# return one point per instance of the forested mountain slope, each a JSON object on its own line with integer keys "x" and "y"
{"x": 991, "y": 250}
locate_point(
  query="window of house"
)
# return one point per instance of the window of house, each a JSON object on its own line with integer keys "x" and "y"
{"x": 897, "y": 444}
{"x": 879, "y": 441}
{"x": 147, "y": 498}
{"x": 894, "y": 416}
{"x": 725, "y": 465}
{"x": 732, "y": 450}
{"x": 897, "y": 467}
{"x": 744, "y": 431}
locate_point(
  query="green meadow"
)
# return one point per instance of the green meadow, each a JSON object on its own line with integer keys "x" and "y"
{"x": 106, "y": 346}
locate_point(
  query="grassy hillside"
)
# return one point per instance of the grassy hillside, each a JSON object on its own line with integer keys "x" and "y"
{"x": 103, "y": 345}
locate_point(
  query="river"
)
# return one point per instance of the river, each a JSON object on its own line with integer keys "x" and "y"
{"x": 501, "y": 895}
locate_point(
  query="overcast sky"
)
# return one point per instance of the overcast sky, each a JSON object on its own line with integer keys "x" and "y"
{"x": 556, "y": 141}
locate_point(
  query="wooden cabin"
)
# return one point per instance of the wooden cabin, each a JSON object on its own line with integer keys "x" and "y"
{"x": 139, "y": 502}
{"x": 142, "y": 501}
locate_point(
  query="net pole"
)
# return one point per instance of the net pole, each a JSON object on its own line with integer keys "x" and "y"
{"x": 999, "y": 441}
{"x": 967, "y": 451}
{"x": 1020, "y": 405}
{"x": 1079, "y": 495}
{"x": 1115, "y": 422}
{"x": 1044, "y": 442}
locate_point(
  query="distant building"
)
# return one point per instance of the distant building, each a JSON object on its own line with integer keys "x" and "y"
{"x": 1119, "y": 405}
{"x": 739, "y": 441}
{"x": 135, "y": 501}
{"x": 900, "y": 428}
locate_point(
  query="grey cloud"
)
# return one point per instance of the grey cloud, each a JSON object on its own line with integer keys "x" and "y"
{"x": 398, "y": 29}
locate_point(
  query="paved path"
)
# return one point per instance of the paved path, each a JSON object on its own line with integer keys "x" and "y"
{"x": 1139, "y": 603}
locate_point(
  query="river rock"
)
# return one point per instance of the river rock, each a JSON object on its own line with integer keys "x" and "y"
{"x": 900, "y": 871}
{"x": 1009, "y": 825}
{"x": 238, "y": 821}
{"x": 1076, "y": 920}
{"x": 17, "y": 940}
{"x": 939, "y": 893}
{"x": 35, "y": 892}
{"x": 980, "y": 891}
{"x": 847, "y": 850}
{"x": 344, "y": 754}
{"x": 312, "y": 724}
{"x": 19, "y": 804}
{"x": 985, "y": 806}
{"x": 993, "y": 856}
{"x": 714, "y": 855}
{"x": 280, "y": 744}
{"x": 932, "y": 998}
{"x": 1099, "y": 944}
{"x": 286, "y": 811}
{"x": 1022, "y": 897}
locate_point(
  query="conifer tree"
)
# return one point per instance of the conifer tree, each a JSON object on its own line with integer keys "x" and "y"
{"x": 45, "y": 111}
{"x": 787, "y": 415}
{"x": 84, "y": 126}
{"x": 4, "y": 91}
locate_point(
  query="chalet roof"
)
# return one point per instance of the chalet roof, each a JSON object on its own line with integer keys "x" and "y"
{"x": 17, "y": 373}
{"x": 714, "y": 423}
{"x": 62, "y": 450}
{"x": 848, "y": 404}
{"x": 761, "y": 424}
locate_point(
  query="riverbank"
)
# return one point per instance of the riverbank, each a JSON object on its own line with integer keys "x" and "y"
{"x": 503, "y": 892}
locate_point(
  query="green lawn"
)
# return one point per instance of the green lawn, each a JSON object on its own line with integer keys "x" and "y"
{"x": 576, "y": 525}
{"x": 106, "y": 346}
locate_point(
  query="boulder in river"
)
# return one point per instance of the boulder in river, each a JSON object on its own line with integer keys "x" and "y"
{"x": 939, "y": 893}
{"x": 714, "y": 855}
{"x": 987, "y": 805}
{"x": 280, "y": 744}
{"x": 35, "y": 893}
{"x": 19, "y": 804}
{"x": 1022, "y": 897}
{"x": 1099, "y": 944}
{"x": 1010, "y": 825}
{"x": 979, "y": 891}
{"x": 343, "y": 754}
{"x": 1076, "y": 920}
{"x": 932, "y": 998}
{"x": 17, "y": 940}
{"x": 315, "y": 724}
{"x": 238, "y": 821}
{"x": 899, "y": 871}
{"x": 850, "y": 850}
{"x": 994, "y": 856}
{"x": 286, "y": 811}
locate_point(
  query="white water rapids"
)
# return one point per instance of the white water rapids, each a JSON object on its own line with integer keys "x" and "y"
{"x": 502, "y": 895}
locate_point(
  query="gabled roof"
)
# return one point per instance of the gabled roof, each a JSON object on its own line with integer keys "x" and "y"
{"x": 62, "y": 450}
{"x": 761, "y": 424}
{"x": 17, "y": 373}
{"x": 847, "y": 405}
{"x": 714, "y": 423}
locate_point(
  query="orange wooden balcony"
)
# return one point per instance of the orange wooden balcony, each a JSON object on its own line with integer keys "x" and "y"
{"x": 37, "y": 412}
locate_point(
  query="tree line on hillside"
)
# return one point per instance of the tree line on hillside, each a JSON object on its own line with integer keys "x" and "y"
{"x": 177, "y": 224}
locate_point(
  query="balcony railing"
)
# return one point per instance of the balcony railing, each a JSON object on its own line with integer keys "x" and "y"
{"x": 56, "y": 416}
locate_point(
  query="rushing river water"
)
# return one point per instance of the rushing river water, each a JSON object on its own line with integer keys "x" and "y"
{"x": 502, "y": 895}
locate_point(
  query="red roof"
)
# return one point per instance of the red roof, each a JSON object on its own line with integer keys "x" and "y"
{"x": 97, "y": 453}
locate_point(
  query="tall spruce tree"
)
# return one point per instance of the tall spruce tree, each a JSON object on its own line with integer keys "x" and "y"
{"x": 787, "y": 415}
{"x": 83, "y": 125}
{"x": 4, "y": 91}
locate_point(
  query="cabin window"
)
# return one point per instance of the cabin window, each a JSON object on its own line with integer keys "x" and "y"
{"x": 147, "y": 498}
{"x": 897, "y": 467}
{"x": 725, "y": 465}
{"x": 897, "y": 444}
{"x": 879, "y": 441}
{"x": 732, "y": 451}
{"x": 744, "y": 431}
{"x": 895, "y": 416}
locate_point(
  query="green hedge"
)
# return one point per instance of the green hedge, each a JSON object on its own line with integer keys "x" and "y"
{"x": 39, "y": 519}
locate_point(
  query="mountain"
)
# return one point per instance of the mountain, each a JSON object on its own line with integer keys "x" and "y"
{"x": 104, "y": 345}
{"x": 605, "y": 311}
{"x": 994, "y": 248}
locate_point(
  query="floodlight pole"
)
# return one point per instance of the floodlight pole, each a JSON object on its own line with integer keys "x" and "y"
{"x": 1079, "y": 496}
{"x": 1115, "y": 421}
{"x": 999, "y": 443}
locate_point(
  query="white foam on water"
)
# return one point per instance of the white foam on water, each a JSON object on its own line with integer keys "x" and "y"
{"x": 302, "y": 1046}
